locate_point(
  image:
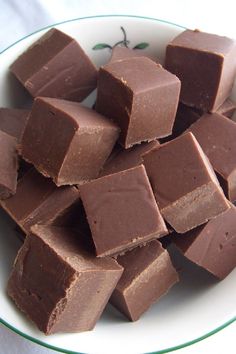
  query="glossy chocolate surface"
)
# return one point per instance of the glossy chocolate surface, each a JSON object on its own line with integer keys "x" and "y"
{"x": 121, "y": 211}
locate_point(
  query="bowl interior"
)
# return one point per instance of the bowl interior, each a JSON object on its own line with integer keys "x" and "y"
{"x": 194, "y": 307}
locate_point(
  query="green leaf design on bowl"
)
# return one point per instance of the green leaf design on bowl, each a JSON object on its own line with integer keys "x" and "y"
{"x": 142, "y": 45}
{"x": 101, "y": 46}
{"x": 124, "y": 42}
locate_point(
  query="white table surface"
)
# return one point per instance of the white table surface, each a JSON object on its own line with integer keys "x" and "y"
{"x": 20, "y": 17}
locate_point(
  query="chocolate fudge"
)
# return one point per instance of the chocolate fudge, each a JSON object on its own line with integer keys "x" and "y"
{"x": 58, "y": 284}
{"x": 13, "y": 121}
{"x": 213, "y": 245}
{"x": 184, "y": 183}
{"x": 38, "y": 200}
{"x": 125, "y": 159}
{"x": 216, "y": 135}
{"x": 56, "y": 66}
{"x": 121, "y": 211}
{"x": 66, "y": 141}
{"x": 140, "y": 96}
{"x": 227, "y": 108}
{"x": 148, "y": 275}
{"x": 8, "y": 165}
{"x": 205, "y": 64}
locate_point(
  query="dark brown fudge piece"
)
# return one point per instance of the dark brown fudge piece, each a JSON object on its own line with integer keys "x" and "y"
{"x": 184, "y": 183}
{"x": 13, "y": 121}
{"x": 213, "y": 245}
{"x": 56, "y": 66}
{"x": 38, "y": 200}
{"x": 205, "y": 64}
{"x": 148, "y": 275}
{"x": 128, "y": 158}
{"x": 66, "y": 141}
{"x": 140, "y": 96}
{"x": 121, "y": 211}
{"x": 8, "y": 165}
{"x": 227, "y": 108}
{"x": 58, "y": 284}
{"x": 217, "y": 136}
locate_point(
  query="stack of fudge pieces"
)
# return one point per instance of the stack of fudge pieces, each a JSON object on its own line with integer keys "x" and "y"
{"x": 94, "y": 191}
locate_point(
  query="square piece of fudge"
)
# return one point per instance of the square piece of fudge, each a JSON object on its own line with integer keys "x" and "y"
{"x": 121, "y": 211}
{"x": 58, "y": 284}
{"x": 13, "y": 121}
{"x": 140, "y": 96}
{"x": 8, "y": 165}
{"x": 217, "y": 136}
{"x": 148, "y": 275}
{"x": 184, "y": 183}
{"x": 205, "y": 64}
{"x": 56, "y": 66}
{"x": 212, "y": 246}
{"x": 66, "y": 141}
{"x": 39, "y": 200}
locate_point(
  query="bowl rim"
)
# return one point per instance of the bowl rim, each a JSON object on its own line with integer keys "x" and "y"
{"x": 62, "y": 350}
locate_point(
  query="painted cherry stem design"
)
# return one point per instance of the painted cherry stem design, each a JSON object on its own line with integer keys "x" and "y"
{"x": 124, "y": 42}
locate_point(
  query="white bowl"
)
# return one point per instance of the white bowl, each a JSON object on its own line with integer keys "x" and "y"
{"x": 198, "y": 306}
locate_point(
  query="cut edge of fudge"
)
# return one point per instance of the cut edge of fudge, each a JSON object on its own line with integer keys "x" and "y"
{"x": 210, "y": 189}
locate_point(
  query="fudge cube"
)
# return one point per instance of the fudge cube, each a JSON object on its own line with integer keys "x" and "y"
{"x": 66, "y": 141}
{"x": 184, "y": 183}
{"x": 216, "y": 135}
{"x": 205, "y": 64}
{"x": 38, "y": 200}
{"x": 121, "y": 211}
{"x": 140, "y": 96}
{"x": 125, "y": 159}
{"x": 148, "y": 275}
{"x": 13, "y": 121}
{"x": 58, "y": 284}
{"x": 56, "y": 66}
{"x": 212, "y": 246}
{"x": 8, "y": 165}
